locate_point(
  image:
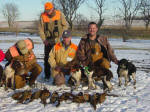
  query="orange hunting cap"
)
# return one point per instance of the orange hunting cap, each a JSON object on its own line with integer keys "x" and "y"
{"x": 48, "y": 5}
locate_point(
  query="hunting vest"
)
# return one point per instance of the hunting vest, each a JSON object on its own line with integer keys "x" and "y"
{"x": 103, "y": 49}
{"x": 52, "y": 26}
{"x": 59, "y": 56}
{"x": 14, "y": 51}
{"x": 58, "y": 46}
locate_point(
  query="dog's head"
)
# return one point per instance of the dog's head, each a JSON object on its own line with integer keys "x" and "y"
{"x": 17, "y": 65}
{"x": 123, "y": 63}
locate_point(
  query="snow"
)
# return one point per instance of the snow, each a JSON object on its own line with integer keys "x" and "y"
{"x": 129, "y": 100}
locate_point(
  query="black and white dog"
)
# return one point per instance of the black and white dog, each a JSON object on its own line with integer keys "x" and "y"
{"x": 126, "y": 69}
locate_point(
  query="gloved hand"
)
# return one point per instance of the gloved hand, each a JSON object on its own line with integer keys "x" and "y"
{"x": 58, "y": 68}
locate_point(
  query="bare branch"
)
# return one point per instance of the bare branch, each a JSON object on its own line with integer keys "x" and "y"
{"x": 11, "y": 13}
{"x": 129, "y": 10}
{"x": 69, "y": 8}
{"x": 100, "y": 11}
{"x": 145, "y": 11}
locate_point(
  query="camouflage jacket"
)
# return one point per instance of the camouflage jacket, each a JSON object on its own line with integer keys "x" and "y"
{"x": 84, "y": 52}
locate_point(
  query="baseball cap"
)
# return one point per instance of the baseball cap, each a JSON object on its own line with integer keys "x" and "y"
{"x": 66, "y": 34}
{"x": 21, "y": 45}
{"x": 48, "y": 6}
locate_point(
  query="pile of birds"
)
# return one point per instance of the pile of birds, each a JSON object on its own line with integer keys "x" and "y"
{"x": 55, "y": 98}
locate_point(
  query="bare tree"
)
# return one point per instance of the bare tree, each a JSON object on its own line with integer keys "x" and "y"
{"x": 129, "y": 10}
{"x": 145, "y": 10}
{"x": 69, "y": 8}
{"x": 81, "y": 22}
{"x": 100, "y": 10}
{"x": 11, "y": 13}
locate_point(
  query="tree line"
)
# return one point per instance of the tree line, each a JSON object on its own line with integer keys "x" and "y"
{"x": 128, "y": 11}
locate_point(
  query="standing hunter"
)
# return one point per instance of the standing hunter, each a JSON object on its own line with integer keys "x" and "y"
{"x": 52, "y": 24}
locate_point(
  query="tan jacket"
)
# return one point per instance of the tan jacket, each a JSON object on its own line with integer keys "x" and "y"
{"x": 59, "y": 56}
{"x": 46, "y": 26}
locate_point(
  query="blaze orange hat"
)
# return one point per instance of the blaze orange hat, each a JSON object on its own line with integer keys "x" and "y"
{"x": 48, "y": 5}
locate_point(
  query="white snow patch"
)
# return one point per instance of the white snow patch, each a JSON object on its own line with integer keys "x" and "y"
{"x": 129, "y": 100}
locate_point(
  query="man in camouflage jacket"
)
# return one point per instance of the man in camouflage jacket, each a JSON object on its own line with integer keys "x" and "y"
{"x": 83, "y": 52}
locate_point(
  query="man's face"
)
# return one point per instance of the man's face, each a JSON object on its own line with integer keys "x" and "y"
{"x": 92, "y": 30}
{"x": 49, "y": 12}
{"x": 67, "y": 40}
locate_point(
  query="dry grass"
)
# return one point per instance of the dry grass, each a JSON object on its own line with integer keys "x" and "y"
{"x": 121, "y": 27}
{"x": 31, "y": 31}
{"x": 118, "y": 31}
{"x": 110, "y": 31}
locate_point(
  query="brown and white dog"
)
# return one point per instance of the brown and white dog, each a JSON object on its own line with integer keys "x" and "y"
{"x": 100, "y": 73}
{"x": 75, "y": 77}
{"x": 96, "y": 72}
{"x": 9, "y": 73}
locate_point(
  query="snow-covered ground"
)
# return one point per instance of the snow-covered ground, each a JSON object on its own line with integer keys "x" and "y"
{"x": 129, "y": 100}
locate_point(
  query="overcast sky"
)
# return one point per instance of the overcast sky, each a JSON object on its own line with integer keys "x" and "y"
{"x": 30, "y": 9}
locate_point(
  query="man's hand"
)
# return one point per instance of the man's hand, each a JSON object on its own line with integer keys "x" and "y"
{"x": 58, "y": 68}
{"x": 116, "y": 62}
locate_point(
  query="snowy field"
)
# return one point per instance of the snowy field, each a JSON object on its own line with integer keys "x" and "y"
{"x": 129, "y": 100}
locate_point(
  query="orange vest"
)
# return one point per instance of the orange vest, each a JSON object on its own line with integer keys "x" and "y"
{"x": 59, "y": 46}
{"x": 46, "y": 19}
{"x": 14, "y": 52}
{"x": 73, "y": 46}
